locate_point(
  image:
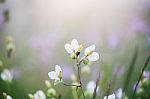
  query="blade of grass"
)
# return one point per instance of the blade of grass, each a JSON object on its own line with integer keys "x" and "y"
{"x": 143, "y": 68}
{"x": 130, "y": 70}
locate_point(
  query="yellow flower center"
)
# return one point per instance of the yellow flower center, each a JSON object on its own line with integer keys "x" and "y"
{"x": 89, "y": 53}
{"x": 60, "y": 75}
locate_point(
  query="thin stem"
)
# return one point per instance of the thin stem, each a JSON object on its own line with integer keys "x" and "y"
{"x": 71, "y": 85}
{"x": 95, "y": 89}
{"x": 79, "y": 77}
{"x": 144, "y": 66}
{"x": 108, "y": 89}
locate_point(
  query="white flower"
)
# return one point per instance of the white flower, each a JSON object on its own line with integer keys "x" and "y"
{"x": 57, "y": 74}
{"x": 90, "y": 87}
{"x": 110, "y": 96}
{"x": 119, "y": 94}
{"x": 8, "y": 97}
{"x": 90, "y": 54}
{"x": 6, "y": 75}
{"x": 74, "y": 47}
{"x": 39, "y": 95}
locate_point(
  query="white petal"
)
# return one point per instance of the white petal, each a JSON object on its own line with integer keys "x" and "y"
{"x": 74, "y": 44}
{"x": 93, "y": 57}
{"x": 68, "y": 48}
{"x": 53, "y": 75}
{"x": 39, "y": 95}
{"x": 119, "y": 93}
{"x": 8, "y": 97}
{"x": 110, "y": 96}
{"x": 57, "y": 69}
{"x": 90, "y": 86}
{"x": 89, "y": 49}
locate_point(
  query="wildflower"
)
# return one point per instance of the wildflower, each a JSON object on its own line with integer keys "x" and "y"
{"x": 74, "y": 48}
{"x": 47, "y": 83}
{"x": 110, "y": 96}
{"x": 85, "y": 70}
{"x": 6, "y": 75}
{"x": 8, "y": 97}
{"x": 90, "y": 88}
{"x": 119, "y": 94}
{"x": 9, "y": 46}
{"x": 51, "y": 92}
{"x": 146, "y": 75}
{"x": 90, "y": 54}
{"x": 39, "y": 95}
{"x": 73, "y": 77}
{"x": 56, "y": 75}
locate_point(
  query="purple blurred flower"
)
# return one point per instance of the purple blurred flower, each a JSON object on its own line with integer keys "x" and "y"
{"x": 119, "y": 93}
{"x": 66, "y": 72}
{"x": 136, "y": 26}
{"x": 112, "y": 41}
{"x": 119, "y": 71}
{"x": 16, "y": 73}
{"x": 45, "y": 44}
{"x": 1, "y": 16}
{"x": 146, "y": 74}
{"x": 134, "y": 86}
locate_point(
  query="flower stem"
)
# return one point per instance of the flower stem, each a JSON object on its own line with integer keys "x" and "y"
{"x": 144, "y": 67}
{"x": 95, "y": 89}
{"x": 71, "y": 85}
{"x": 79, "y": 76}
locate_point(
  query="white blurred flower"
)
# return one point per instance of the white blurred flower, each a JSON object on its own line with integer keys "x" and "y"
{"x": 90, "y": 87}
{"x": 57, "y": 74}
{"x": 90, "y": 54}
{"x": 6, "y": 75}
{"x": 39, "y": 95}
{"x": 73, "y": 48}
{"x": 8, "y": 97}
{"x": 119, "y": 94}
{"x": 85, "y": 70}
{"x": 110, "y": 96}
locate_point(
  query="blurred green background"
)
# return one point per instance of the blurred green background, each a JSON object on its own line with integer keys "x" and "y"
{"x": 40, "y": 29}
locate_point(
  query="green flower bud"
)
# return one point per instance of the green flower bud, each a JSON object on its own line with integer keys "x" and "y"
{"x": 51, "y": 92}
{"x": 140, "y": 92}
{"x": 1, "y": 64}
{"x": 47, "y": 83}
{"x": 73, "y": 56}
{"x": 145, "y": 82}
{"x": 30, "y": 96}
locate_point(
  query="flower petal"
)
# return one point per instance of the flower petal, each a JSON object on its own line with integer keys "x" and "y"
{"x": 93, "y": 57}
{"x": 110, "y": 96}
{"x": 74, "y": 44}
{"x": 57, "y": 69}
{"x": 53, "y": 75}
{"x": 89, "y": 49}
{"x": 68, "y": 48}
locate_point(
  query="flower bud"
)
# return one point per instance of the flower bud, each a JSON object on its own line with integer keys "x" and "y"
{"x": 30, "y": 96}
{"x": 51, "y": 92}
{"x": 73, "y": 56}
{"x": 1, "y": 64}
{"x": 85, "y": 70}
{"x": 47, "y": 83}
{"x": 9, "y": 49}
{"x": 140, "y": 92}
{"x": 73, "y": 77}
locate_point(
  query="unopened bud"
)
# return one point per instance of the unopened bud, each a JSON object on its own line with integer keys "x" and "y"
{"x": 47, "y": 83}
{"x": 51, "y": 92}
{"x": 85, "y": 70}
{"x": 73, "y": 56}
{"x": 30, "y": 96}
{"x": 1, "y": 64}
